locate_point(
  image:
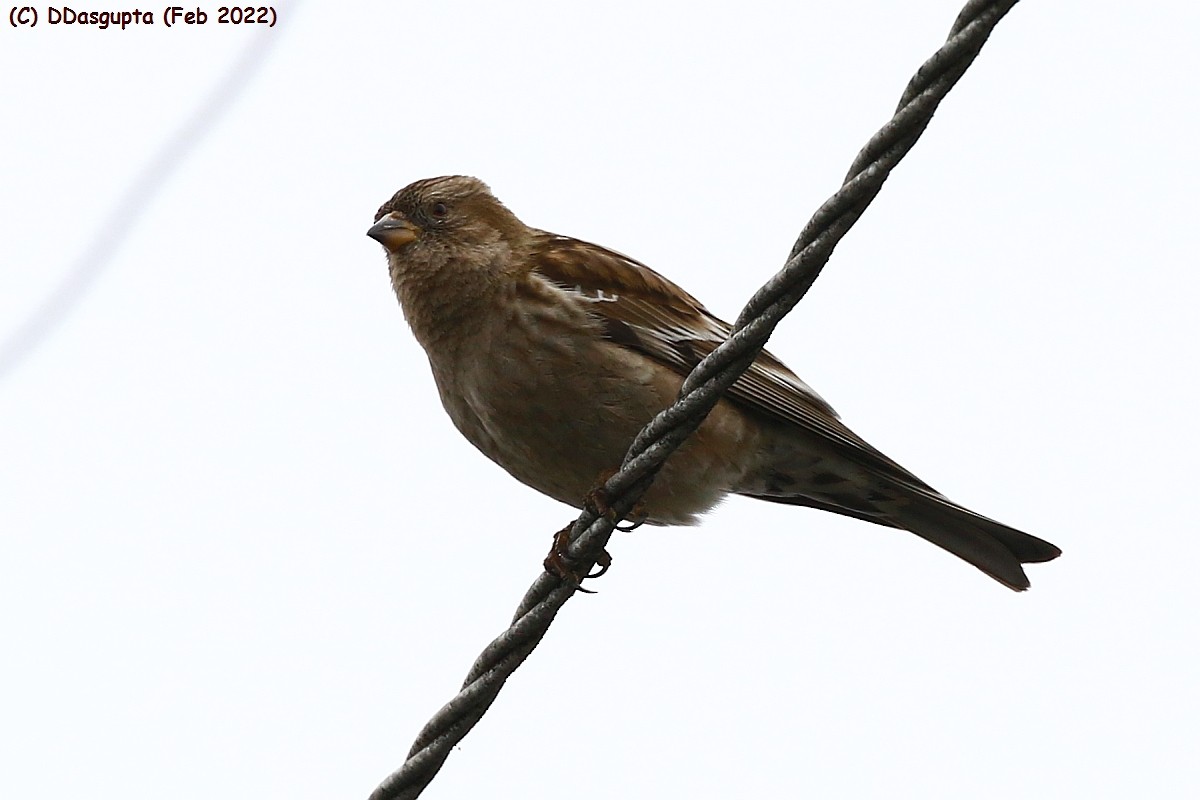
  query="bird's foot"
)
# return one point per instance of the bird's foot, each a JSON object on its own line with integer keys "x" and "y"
{"x": 599, "y": 503}
{"x": 559, "y": 565}
{"x": 637, "y": 518}
{"x": 597, "y": 500}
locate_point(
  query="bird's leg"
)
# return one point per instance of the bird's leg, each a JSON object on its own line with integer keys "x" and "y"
{"x": 558, "y": 565}
{"x": 598, "y": 502}
{"x": 556, "y": 560}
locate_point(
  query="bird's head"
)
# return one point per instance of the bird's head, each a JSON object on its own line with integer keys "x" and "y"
{"x": 429, "y": 220}
{"x": 451, "y": 247}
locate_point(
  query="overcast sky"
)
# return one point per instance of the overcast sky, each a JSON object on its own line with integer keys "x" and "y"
{"x": 244, "y": 553}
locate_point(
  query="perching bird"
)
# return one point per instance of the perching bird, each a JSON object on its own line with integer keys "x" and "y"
{"x": 550, "y": 354}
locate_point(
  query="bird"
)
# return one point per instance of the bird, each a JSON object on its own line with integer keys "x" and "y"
{"x": 551, "y": 353}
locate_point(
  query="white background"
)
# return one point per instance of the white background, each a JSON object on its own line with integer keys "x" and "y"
{"x": 243, "y": 552}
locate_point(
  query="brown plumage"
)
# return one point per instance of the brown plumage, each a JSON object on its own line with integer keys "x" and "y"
{"x": 551, "y": 353}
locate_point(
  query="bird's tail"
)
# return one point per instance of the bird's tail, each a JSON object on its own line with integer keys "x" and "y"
{"x": 992, "y": 547}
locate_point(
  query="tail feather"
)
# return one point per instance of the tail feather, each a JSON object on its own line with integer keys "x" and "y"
{"x": 993, "y": 547}
{"x": 996, "y": 549}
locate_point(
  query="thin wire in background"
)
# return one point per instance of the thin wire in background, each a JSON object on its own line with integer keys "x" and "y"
{"x": 114, "y": 228}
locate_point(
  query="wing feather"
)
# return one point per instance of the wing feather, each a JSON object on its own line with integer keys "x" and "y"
{"x": 646, "y": 312}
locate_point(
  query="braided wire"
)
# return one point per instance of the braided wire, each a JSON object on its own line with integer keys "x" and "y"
{"x": 699, "y": 394}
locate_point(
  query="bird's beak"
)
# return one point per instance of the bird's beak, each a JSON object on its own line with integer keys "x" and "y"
{"x": 393, "y": 231}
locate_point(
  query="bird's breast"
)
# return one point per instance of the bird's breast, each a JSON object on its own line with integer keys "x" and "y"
{"x": 545, "y": 396}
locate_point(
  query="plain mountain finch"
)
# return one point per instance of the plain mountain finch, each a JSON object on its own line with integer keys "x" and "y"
{"x": 550, "y": 354}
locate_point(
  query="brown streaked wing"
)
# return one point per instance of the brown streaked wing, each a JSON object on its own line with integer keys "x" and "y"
{"x": 644, "y": 311}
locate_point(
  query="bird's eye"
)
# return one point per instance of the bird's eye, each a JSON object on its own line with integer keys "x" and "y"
{"x": 439, "y": 210}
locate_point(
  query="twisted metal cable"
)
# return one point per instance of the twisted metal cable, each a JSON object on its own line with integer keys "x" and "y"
{"x": 699, "y": 394}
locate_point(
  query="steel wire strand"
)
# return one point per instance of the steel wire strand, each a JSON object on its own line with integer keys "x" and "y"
{"x": 699, "y": 394}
